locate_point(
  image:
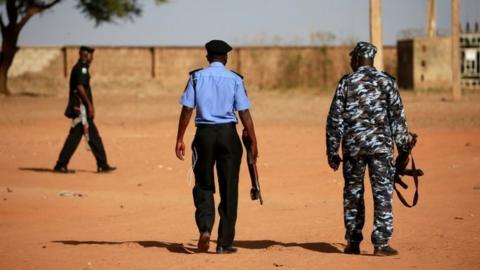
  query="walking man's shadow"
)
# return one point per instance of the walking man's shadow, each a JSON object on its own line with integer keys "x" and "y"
{"x": 263, "y": 244}
{"x": 49, "y": 170}
{"x": 41, "y": 170}
{"x": 172, "y": 247}
{"x": 181, "y": 248}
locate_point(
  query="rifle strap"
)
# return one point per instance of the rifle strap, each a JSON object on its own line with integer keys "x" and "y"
{"x": 415, "y": 180}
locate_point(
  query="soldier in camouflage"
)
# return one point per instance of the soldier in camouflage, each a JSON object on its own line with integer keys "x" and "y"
{"x": 365, "y": 116}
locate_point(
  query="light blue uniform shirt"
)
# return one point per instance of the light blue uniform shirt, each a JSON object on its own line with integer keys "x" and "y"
{"x": 216, "y": 93}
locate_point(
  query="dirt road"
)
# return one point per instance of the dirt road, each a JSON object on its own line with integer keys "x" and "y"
{"x": 141, "y": 216}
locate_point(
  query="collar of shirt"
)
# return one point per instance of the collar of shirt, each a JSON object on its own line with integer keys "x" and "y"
{"x": 84, "y": 63}
{"x": 216, "y": 64}
{"x": 365, "y": 68}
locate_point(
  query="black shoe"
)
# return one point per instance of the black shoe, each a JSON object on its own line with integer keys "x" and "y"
{"x": 105, "y": 169}
{"x": 204, "y": 242}
{"x": 352, "y": 248}
{"x": 385, "y": 251}
{"x": 62, "y": 169}
{"x": 226, "y": 250}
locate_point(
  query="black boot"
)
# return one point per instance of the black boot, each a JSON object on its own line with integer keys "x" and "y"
{"x": 226, "y": 250}
{"x": 352, "y": 248}
{"x": 203, "y": 242}
{"x": 385, "y": 251}
{"x": 105, "y": 169}
{"x": 62, "y": 169}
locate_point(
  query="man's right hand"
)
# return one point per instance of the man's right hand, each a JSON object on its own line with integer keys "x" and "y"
{"x": 185, "y": 115}
{"x": 180, "y": 150}
{"x": 401, "y": 162}
{"x": 334, "y": 161}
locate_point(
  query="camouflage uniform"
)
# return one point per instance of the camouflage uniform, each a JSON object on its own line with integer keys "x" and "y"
{"x": 366, "y": 114}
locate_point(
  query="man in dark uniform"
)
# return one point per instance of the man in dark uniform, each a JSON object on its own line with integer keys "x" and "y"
{"x": 216, "y": 93}
{"x": 80, "y": 109}
{"x": 366, "y": 116}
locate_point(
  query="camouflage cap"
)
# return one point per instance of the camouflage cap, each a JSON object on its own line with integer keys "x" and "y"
{"x": 364, "y": 49}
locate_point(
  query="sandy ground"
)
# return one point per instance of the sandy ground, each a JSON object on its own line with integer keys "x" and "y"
{"x": 141, "y": 216}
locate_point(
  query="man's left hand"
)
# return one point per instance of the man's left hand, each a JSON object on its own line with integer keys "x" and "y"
{"x": 334, "y": 161}
{"x": 91, "y": 112}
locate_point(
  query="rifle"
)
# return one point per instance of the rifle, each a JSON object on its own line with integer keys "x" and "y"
{"x": 255, "y": 192}
{"x": 401, "y": 163}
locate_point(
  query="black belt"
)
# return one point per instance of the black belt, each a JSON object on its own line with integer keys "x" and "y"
{"x": 231, "y": 124}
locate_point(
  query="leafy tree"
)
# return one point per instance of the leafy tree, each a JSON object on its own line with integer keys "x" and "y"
{"x": 19, "y": 12}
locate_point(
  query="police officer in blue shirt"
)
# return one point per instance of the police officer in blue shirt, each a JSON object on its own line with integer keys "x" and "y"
{"x": 216, "y": 93}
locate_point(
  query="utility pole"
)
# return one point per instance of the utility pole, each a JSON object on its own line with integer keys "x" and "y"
{"x": 376, "y": 37}
{"x": 456, "y": 80}
{"x": 431, "y": 18}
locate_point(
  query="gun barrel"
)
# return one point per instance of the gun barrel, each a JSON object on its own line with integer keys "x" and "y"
{"x": 255, "y": 193}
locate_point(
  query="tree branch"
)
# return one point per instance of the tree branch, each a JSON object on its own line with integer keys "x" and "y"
{"x": 12, "y": 12}
{"x": 2, "y": 25}
{"x": 25, "y": 18}
{"x": 46, "y": 6}
{"x": 33, "y": 9}
{"x": 21, "y": 6}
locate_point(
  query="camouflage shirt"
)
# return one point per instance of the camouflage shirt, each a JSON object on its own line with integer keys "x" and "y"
{"x": 366, "y": 115}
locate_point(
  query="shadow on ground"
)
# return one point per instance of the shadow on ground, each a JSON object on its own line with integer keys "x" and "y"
{"x": 50, "y": 170}
{"x": 264, "y": 244}
{"x": 181, "y": 248}
{"x": 172, "y": 247}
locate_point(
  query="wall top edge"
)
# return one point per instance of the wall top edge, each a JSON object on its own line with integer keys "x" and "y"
{"x": 190, "y": 47}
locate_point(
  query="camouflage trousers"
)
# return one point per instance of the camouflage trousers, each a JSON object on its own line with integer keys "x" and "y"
{"x": 381, "y": 171}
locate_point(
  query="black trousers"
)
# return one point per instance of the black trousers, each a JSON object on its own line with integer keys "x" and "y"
{"x": 74, "y": 138}
{"x": 216, "y": 146}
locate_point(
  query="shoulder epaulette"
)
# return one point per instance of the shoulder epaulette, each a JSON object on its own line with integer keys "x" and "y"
{"x": 239, "y": 75}
{"x": 390, "y": 76}
{"x": 194, "y": 71}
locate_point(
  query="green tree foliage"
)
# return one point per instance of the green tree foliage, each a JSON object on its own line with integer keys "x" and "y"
{"x": 16, "y": 13}
{"x": 109, "y": 10}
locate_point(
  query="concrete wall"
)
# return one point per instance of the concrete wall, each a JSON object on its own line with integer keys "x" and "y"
{"x": 425, "y": 63}
{"x": 42, "y": 61}
{"x": 125, "y": 63}
{"x": 262, "y": 67}
{"x": 173, "y": 64}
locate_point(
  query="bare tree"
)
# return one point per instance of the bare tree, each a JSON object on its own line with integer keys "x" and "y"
{"x": 322, "y": 38}
{"x": 410, "y": 33}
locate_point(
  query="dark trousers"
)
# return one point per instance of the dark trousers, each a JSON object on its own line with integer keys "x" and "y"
{"x": 381, "y": 172}
{"x": 74, "y": 138}
{"x": 216, "y": 145}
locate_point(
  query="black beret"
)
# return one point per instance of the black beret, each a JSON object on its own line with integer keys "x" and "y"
{"x": 87, "y": 49}
{"x": 217, "y": 47}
